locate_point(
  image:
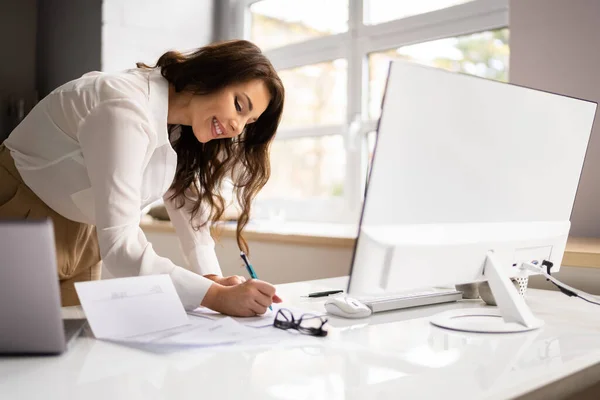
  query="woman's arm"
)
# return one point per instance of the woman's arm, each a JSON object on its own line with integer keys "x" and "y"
{"x": 115, "y": 138}
{"x": 198, "y": 245}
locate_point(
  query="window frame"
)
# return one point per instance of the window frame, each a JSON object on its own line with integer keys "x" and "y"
{"x": 355, "y": 45}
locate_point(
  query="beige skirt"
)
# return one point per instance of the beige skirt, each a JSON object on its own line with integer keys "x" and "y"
{"x": 77, "y": 250}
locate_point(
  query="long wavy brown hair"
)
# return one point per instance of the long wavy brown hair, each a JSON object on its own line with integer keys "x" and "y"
{"x": 201, "y": 168}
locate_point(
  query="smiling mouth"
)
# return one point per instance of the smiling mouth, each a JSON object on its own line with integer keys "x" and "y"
{"x": 217, "y": 126}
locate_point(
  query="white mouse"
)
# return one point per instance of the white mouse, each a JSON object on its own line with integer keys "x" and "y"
{"x": 347, "y": 307}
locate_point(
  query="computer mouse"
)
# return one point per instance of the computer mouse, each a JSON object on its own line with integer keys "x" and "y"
{"x": 346, "y": 307}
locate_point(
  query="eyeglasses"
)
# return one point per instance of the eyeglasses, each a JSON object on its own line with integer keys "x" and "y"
{"x": 307, "y": 324}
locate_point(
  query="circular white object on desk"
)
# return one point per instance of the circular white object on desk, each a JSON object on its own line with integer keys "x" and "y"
{"x": 480, "y": 320}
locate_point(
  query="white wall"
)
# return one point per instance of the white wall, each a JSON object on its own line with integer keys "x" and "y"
{"x": 282, "y": 262}
{"x": 555, "y": 46}
{"x": 275, "y": 262}
{"x": 142, "y": 30}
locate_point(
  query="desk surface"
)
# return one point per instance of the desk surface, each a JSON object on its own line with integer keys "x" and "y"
{"x": 387, "y": 356}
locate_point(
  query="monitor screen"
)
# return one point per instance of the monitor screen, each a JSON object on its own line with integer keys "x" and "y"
{"x": 462, "y": 166}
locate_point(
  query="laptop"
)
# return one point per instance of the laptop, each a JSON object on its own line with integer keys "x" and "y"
{"x": 30, "y": 308}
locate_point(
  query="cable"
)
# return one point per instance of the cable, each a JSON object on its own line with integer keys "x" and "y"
{"x": 565, "y": 289}
{"x": 573, "y": 294}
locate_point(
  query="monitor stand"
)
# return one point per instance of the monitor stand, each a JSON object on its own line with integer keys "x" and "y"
{"x": 511, "y": 315}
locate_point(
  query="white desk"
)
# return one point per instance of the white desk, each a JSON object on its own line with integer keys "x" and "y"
{"x": 388, "y": 356}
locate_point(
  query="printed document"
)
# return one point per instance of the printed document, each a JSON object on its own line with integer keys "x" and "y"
{"x": 147, "y": 310}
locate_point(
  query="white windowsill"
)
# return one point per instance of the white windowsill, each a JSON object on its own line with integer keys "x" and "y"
{"x": 308, "y": 233}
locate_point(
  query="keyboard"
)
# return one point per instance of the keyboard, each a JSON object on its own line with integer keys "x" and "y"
{"x": 418, "y": 298}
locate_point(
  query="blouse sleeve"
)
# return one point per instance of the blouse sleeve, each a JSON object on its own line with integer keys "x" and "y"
{"x": 197, "y": 244}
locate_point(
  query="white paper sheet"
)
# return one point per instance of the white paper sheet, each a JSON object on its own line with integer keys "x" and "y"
{"x": 200, "y": 332}
{"x": 260, "y": 321}
{"x": 125, "y": 307}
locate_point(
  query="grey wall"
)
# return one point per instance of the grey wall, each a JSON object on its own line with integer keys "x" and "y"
{"x": 17, "y": 43}
{"x": 555, "y": 46}
{"x": 68, "y": 41}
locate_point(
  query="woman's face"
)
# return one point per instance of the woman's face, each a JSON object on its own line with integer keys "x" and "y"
{"x": 224, "y": 114}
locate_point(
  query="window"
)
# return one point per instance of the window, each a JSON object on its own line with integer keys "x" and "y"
{"x": 276, "y": 23}
{"x": 307, "y": 168}
{"x": 378, "y": 11}
{"x": 483, "y": 54}
{"x": 315, "y": 94}
{"x": 333, "y": 58}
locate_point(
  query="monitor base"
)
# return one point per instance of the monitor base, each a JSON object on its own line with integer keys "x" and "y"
{"x": 480, "y": 320}
{"x": 511, "y": 315}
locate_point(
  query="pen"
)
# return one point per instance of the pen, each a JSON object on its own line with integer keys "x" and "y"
{"x": 323, "y": 294}
{"x": 250, "y": 269}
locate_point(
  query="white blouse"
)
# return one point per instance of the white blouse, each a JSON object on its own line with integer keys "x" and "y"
{"x": 97, "y": 151}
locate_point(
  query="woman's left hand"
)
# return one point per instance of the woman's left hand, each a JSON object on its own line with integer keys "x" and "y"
{"x": 226, "y": 280}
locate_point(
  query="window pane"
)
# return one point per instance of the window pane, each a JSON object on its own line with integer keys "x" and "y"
{"x": 315, "y": 94}
{"x": 483, "y": 54}
{"x": 306, "y": 167}
{"x": 276, "y": 23}
{"x": 378, "y": 11}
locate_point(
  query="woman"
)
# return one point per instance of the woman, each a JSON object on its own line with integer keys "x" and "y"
{"x": 97, "y": 150}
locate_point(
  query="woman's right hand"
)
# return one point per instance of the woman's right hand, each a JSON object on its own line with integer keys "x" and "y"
{"x": 247, "y": 299}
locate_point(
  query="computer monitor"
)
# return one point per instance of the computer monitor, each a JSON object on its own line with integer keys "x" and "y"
{"x": 470, "y": 178}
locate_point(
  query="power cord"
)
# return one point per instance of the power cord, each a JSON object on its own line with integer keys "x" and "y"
{"x": 549, "y": 265}
{"x": 565, "y": 289}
